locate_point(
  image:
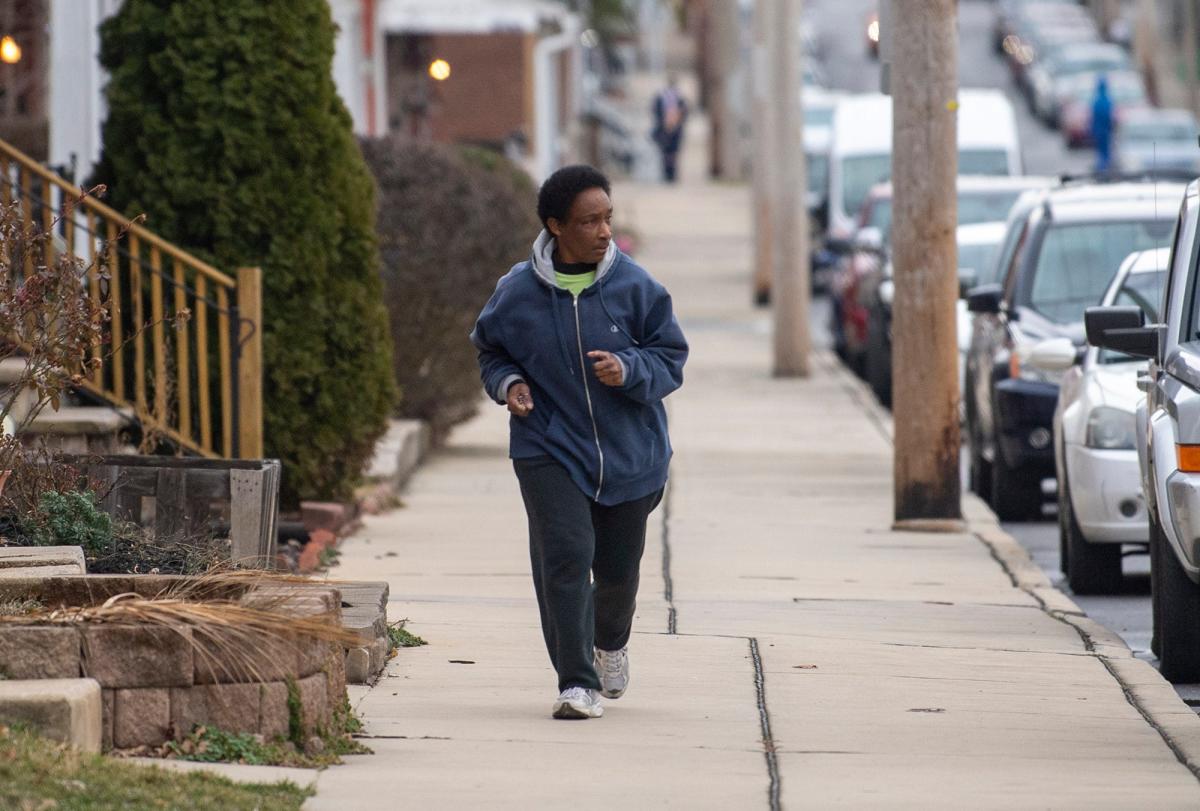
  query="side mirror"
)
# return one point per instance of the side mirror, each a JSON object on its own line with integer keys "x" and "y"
{"x": 967, "y": 278}
{"x": 1054, "y": 355}
{"x": 1122, "y": 329}
{"x": 985, "y": 299}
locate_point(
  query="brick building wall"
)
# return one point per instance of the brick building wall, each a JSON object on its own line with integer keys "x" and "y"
{"x": 488, "y": 96}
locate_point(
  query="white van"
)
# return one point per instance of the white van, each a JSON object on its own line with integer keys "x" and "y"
{"x": 861, "y": 152}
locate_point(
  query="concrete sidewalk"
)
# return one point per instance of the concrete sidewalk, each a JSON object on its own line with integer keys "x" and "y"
{"x": 790, "y": 649}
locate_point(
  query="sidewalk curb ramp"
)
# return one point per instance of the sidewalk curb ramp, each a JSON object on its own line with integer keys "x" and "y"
{"x": 1145, "y": 689}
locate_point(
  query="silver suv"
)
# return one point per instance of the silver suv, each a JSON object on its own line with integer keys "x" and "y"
{"x": 1168, "y": 440}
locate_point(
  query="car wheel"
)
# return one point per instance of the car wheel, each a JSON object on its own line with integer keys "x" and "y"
{"x": 1092, "y": 568}
{"x": 879, "y": 363}
{"x": 1155, "y": 589}
{"x": 1016, "y": 495}
{"x": 1177, "y": 614}
{"x": 1064, "y": 547}
{"x": 979, "y": 472}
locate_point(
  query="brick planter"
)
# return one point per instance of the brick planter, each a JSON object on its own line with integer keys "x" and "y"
{"x": 157, "y": 684}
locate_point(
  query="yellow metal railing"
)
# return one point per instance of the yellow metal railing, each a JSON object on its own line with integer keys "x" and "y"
{"x": 185, "y": 348}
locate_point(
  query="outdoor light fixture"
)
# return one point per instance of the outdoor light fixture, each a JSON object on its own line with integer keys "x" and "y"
{"x": 10, "y": 51}
{"x": 439, "y": 69}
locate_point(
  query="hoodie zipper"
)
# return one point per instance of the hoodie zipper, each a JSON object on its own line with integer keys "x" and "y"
{"x": 588, "y": 394}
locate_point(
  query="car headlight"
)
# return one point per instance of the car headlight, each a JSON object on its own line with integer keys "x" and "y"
{"x": 1111, "y": 429}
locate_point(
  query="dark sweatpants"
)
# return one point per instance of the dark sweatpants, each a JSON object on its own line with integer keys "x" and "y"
{"x": 585, "y": 560}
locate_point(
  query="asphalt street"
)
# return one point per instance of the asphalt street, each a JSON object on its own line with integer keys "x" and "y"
{"x": 840, "y": 28}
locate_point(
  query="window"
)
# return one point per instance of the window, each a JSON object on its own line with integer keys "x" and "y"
{"x": 989, "y": 206}
{"x": 1142, "y": 290}
{"x": 818, "y": 174}
{"x": 859, "y": 174}
{"x": 978, "y": 258}
{"x": 1076, "y": 263}
{"x": 983, "y": 162}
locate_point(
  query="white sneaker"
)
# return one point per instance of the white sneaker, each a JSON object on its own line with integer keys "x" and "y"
{"x": 578, "y": 702}
{"x": 612, "y": 666}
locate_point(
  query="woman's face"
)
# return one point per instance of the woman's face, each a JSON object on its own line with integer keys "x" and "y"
{"x": 585, "y": 234}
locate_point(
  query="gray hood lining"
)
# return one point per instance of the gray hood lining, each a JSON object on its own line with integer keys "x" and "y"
{"x": 543, "y": 259}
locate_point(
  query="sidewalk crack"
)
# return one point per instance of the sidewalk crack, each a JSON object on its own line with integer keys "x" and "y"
{"x": 764, "y": 719}
{"x": 668, "y": 584}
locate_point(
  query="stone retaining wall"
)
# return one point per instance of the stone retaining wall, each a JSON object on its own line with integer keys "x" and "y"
{"x": 157, "y": 683}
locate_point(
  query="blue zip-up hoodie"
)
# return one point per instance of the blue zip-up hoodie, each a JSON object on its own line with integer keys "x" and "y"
{"x": 612, "y": 440}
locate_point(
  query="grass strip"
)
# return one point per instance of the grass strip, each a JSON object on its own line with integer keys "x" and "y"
{"x": 39, "y": 774}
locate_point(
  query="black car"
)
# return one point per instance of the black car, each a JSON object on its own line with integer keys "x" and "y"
{"x": 1057, "y": 258}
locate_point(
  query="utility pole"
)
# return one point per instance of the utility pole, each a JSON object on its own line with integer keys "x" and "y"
{"x": 722, "y": 45}
{"x": 790, "y": 285}
{"x": 925, "y": 394}
{"x": 1190, "y": 55}
{"x": 763, "y": 130}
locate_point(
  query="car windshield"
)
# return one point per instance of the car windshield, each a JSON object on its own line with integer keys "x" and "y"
{"x": 1078, "y": 260}
{"x": 1123, "y": 88}
{"x": 973, "y": 207}
{"x": 1142, "y": 290}
{"x": 818, "y": 116}
{"x": 1091, "y": 63}
{"x": 1159, "y": 131}
{"x": 818, "y": 174}
{"x": 982, "y": 162}
{"x": 859, "y": 174}
{"x": 985, "y": 206}
{"x": 977, "y": 257}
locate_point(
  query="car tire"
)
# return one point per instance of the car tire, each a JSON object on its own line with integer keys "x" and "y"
{"x": 1064, "y": 549}
{"x": 879, "y": 364}
{"x": 1016, "y": 495}
{"x": 1177, "y": 613}
{"x": 979, "y": 472}
{"x": 1092, "y": 568}
{"x": 1155, "y": 589}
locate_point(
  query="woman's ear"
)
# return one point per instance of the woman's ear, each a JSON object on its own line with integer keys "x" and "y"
{"x": 554, "y": 227}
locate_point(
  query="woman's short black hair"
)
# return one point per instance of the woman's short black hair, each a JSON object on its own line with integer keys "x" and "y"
{"x": 558, "y": 193}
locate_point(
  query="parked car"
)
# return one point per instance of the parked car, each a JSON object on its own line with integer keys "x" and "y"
{"x": 1070, "y": 244}
{"x": 1167, "y": 435}
{"x": 1100, "y": 505}
{"x": 1125, "y": 88}
{"x": 861, "y": 153}
{"x": 1156, "y": 139}
{"x": 1050, "y": 79}
{"x": 983, "y": 205}
{"x": 1042, "y": 29}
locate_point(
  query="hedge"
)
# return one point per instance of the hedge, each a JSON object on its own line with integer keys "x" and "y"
{"x": 451, "y": 222}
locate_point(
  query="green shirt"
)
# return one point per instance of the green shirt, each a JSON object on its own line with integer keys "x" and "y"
{"x": 575, "y": 283}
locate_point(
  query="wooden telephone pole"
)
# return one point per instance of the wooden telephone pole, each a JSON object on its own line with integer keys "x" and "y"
{"x": 924, "y": 84}
{"x": 786, "y": 172}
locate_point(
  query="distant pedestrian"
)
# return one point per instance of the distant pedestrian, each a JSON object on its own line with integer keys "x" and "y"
{"x": 582, "y": 345}
{"x": 1102, "y": 126}
{"x": 670, "y": 116}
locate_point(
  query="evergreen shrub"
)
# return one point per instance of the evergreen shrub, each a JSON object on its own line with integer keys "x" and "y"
{"x": 225, "y": 130}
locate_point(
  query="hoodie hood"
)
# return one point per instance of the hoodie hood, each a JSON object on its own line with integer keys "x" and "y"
{"x": 543, "y": 259}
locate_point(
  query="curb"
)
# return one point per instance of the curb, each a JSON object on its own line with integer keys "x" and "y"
{"x": 397, "y": 457}
{"x": 1145, "y": 689}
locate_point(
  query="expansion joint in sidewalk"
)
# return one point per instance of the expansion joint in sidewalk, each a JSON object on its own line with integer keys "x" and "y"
{"x": 668, "y": 584}
{"x": 764, "y": 719}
